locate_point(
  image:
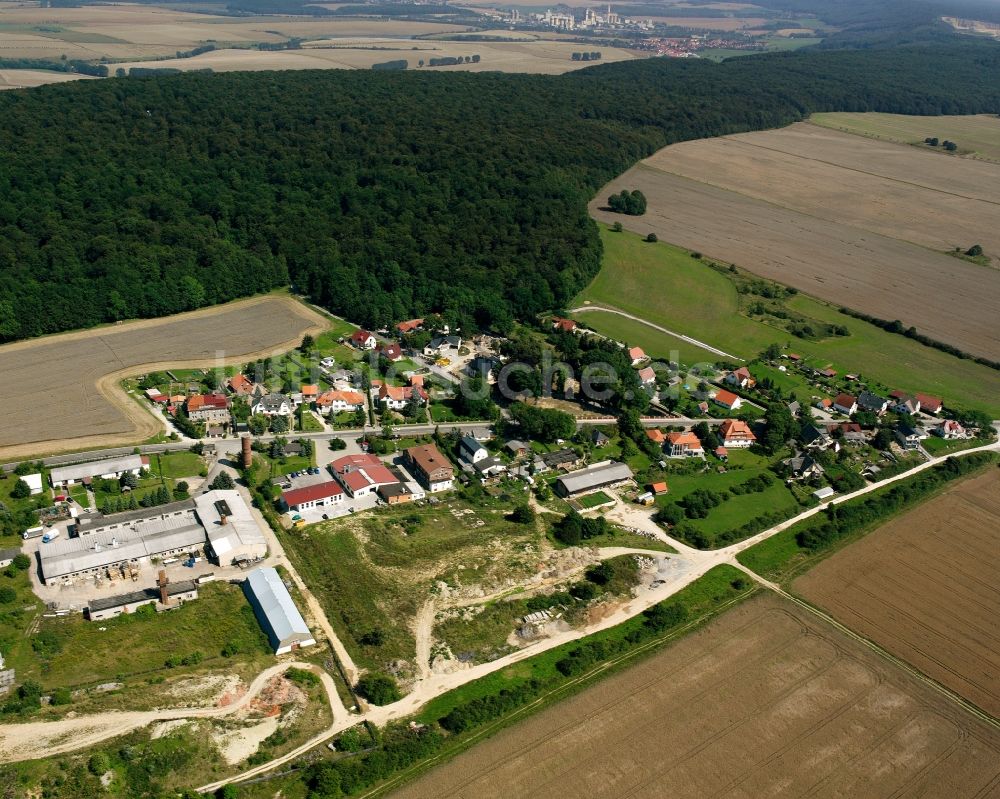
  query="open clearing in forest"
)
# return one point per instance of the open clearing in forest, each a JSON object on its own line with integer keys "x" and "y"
{"x": 765, "y": 700}
{"x": 855, "y": 221}
{"x": 62, "y": 392}
{"x": 540, "y": 57}
{"x": 976, "y": 136}
{"x": 924, "y": 587}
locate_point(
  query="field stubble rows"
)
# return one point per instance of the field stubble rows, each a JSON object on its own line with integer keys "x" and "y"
{"x": 764, "y": 701}
{"x": 62, "y": 392}
{"x": 848, "y": 219}
{"x": 923, "y": 586}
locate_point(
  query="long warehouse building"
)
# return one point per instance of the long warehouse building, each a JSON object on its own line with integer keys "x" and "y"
{"x": 276, "y": 611}
{"x": 600, "y": 475}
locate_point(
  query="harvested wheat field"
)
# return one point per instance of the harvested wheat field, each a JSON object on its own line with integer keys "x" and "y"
{"x": 147, "y": 32}
{"x": 852, "y": 220}
{"x": 62, "y": 392}
{"x": 924, "y": 587}
{"x": 29, "y": 78}
{"x": 538, "y": 57}
{"x": 764, "y": 701}
{"x": 977, "y": 136}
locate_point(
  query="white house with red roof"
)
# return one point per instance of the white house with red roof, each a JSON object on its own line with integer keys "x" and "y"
{"x": 209, "y": 408}
{"x": 846, "y": 404}
{"x": 647, "y": 376}
{"x": 637, "y": 354}
{"x": 741, "y": 378}
{"x": 950, "y": 429}
{"x": 240, "y": 385}
{"x": 727, "y": 399}
{"x": 396, "y": 398}
{"x": 684, "y": 445}
{"x": 391, "y": 351}
{"x": 340, "y": 401}
{"x": 363, "y": 340}
{"x": 362, "y": 474}
{"x": 314, "y": 496}
{"x": 736, "y": 434}
{"x": 930, "y": 404}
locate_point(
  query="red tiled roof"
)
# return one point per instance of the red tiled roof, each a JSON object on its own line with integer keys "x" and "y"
{"x": 736, "y": 428}
{"x": 727, "y": 398}
{"x": 929, "y": 403}
{"x": 409, "y": 326}
{"x": 391, "y": 351}
{"x": 687, "y": 438}
{"x": 636, "y": 353}
{"x": 647, "y": 374}
{"x": 347, "y": 397}
{"x": 240, "y": 384}
{"x": 656, "y": 435}
{"x": 311, "y": 493}
{"x": 845, "y": 400}
{"x": 196, "y": 402}
{"x": 350, "y": 462}
{"x": 563, "y": 324}
{"x": 360, "y": 336}
{"x": 310, "y": 390}
{"x": 658, "y": 488}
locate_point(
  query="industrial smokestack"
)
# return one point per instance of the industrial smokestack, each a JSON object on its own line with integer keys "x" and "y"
{"x": 247, "y": 453}
{"x": 162, "y": 583}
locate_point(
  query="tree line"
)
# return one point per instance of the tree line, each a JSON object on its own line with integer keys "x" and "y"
{"x": 381, "y": 196}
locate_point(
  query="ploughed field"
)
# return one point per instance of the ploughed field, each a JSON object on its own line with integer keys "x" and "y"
{"x": 924, "y": 587}
{"x": 62, "y": 392}
{"x": 859, "y": 222}
{"x": 764, "y": 701}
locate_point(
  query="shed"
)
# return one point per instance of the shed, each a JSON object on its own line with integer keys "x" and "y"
{"x": 276, "y": 612}
{"x": 823, "y": 493}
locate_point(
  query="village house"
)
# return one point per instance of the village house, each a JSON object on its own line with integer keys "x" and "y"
{"x": 736, "y": 434}
{"x": 393, "y": 352}
{"x": 599, "y": 438}
{"x": 905, "y": 403}
{"x": 909, "y": 436}
{"x": 950, "y": 429}
{"x": 566, "y": 325}
{"x": 339, "y": 401}
{"x": 272, "y": 405}
{"x": 363, "y": 340}
{"x": 409, "y": 326}
{"x": 240, "y": 385}
{"x": 647, "y": 376}
{"x": 684, "y": 445}
{"x": 846, "y": 404}
{"x": 872, "y": 403}
{"x": 637, "y": 355}
{"x": 929, "y": 404}
{"x": 208, "y": 408}
{"x": 564, "y": 459}
{"x": 656, "y": 435}
{"x": 397, "y": 398}
{"x": 516, "y": 448}
{"x": 824, "y": 404}
{"x": 819, "y": 438}
{"x": 441, "y": 345}
{"x": 741, "y": 378}
{"x": 430, "y": 467}
{"x": 471, "y": 451}
{"x": 850, "y": 432}
{"x": 727, "y": 399}
{"x": 309, "y": 393}
{"x": 802, "y": 466}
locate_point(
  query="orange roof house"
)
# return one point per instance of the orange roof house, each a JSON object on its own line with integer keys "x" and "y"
{"x": 656, "y": 435}
{"x": 727, "y": 399}
{"x": 684, "y": 444}
{"x": 735, "y": 433}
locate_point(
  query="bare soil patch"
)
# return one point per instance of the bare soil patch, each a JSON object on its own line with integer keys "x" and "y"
{"x": 62, "y": 392}
{"x": 29, "y": 78}
{"x": 852, "y": 220}
{"x": 924, "y": 587}
{"x": 764, "y": 701}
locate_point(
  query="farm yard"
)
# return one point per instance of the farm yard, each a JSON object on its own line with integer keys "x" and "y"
{"x": 753, "y": 200}
{"x": 763, "y": 700}
{"x": 62, "y": 392}
{"x": 976, "y": 136}
{"x": 696, "y": 300}
{"x": 923, "y": 586}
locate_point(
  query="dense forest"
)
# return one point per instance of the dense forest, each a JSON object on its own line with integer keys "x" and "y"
{"x": 381, "y": 195}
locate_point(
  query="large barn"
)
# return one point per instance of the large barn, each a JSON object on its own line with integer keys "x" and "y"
{"x": 276, "y": 612}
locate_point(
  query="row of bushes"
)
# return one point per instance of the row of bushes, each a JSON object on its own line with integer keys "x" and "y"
{"x": 896, "y": 326}
{"x": 573, "y": 528}
{"x": 486, "y": 708}
{"x": 842, "y": 520}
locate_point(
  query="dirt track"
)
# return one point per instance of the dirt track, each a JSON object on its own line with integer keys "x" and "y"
{"x": 62, "y": 393}
{"x": 765, "y": 701}
{"x": 924, "y": 587}
{"x": 854, "y": 221}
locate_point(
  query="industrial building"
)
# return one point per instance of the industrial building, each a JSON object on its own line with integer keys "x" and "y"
{"x": 600, "y": 475}
{"x": 276, "y": 612}
{"x": 234, "y": 535}
{"x": 314, "y": 496}
{"x": 169, "y": 595}
{"x": 110, "y": 469}
{"x": 120, "y": 545}
{"x": 128, "y": 540}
